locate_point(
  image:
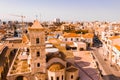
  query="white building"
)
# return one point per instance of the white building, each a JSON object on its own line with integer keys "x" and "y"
{"x": 73, "y": 37}
{"x": 111, "y": 49}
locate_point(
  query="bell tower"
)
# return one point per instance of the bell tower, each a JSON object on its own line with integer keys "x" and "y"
{"x": 37, "y": 48}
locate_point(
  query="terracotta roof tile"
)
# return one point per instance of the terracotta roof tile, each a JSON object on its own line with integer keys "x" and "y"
{"x": 71, "y": 35}
{"x": 114, "y": 37}
{"x": 88, "y": 35}
{"x": 117, "y": 46}
{"x": 25, "y": 38}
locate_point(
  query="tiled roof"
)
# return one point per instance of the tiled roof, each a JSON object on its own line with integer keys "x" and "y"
{"x": 25, "y": 38}
{"x": 117, "y": 46}
{"x": 71, "y": 35}
{"x": 53, "y": 40}
{"x": 51, "y": 34}
{"x": 114, "y": 37}
{"x": 2, "y": 31}
{"x": 88, "y": 35}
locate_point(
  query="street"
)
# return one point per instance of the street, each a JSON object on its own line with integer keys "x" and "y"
{"x": 86, "y": 65}
{"x": 107, "y": 71}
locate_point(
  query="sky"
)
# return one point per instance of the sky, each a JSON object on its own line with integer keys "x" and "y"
{"x": 66, "y": 10}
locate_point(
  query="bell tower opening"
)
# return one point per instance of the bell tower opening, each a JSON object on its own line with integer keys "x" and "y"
{"x": 37, "y": 41}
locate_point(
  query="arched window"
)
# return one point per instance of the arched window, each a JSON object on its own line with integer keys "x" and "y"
{"x": 57, "y": 78}
{"x": 71, "y": 76}
{"x": 77, "y": 39}
{"x": 37, "y": 41}
{"x": 62, "y": 77}
{"x": 38, "y": 54}
{"x": 51, "y": 77}
{"x": 38, "y": 64}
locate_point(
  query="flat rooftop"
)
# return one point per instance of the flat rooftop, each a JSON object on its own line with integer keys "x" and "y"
{"x": 57, "y": 43}
{"x": 19, "y": 66}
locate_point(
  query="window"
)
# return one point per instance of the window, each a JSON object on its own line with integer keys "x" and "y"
{"x": 77, "y": 39}
{"x": 38, "y": 64}
{"x": 28, "y": 50}
{"x": 57, "y": 78}
{"x": 51, "y": 78}
{"x": 45, "y": 38}
{"x": 71, "y": 76}
{"x": 62, "y": 77}
{"x": 37, "y": 41}
{"x": 81, "y": 49}
{"x": 65, "y": 39}
{"x": 38, "y": 53}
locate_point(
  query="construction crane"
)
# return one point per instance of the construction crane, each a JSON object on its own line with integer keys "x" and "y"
{"x": 22, "y": 17}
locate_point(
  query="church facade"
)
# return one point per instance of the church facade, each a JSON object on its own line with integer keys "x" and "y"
{"x": 34, "y": 62}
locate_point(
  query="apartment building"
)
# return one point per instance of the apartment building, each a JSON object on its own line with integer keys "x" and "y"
{"x": 111, "y": 47}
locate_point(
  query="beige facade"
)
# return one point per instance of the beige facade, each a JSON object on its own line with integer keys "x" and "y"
{"x": 81, "y": 46}
{"x": 71, "y": 73}
{"x": 37, "y": 48}
{"x": 56, "y": 72}
{"x": 111, "y": 49}
{"x": 39, "y": 65}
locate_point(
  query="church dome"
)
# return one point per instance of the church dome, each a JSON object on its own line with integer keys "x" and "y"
{"x": 56, "y": 67}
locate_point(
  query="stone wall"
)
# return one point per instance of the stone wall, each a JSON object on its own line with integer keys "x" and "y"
{"x": 28, "y": 76}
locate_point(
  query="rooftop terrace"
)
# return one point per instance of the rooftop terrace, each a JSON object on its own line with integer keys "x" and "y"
{"x": 19, "y": 66}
